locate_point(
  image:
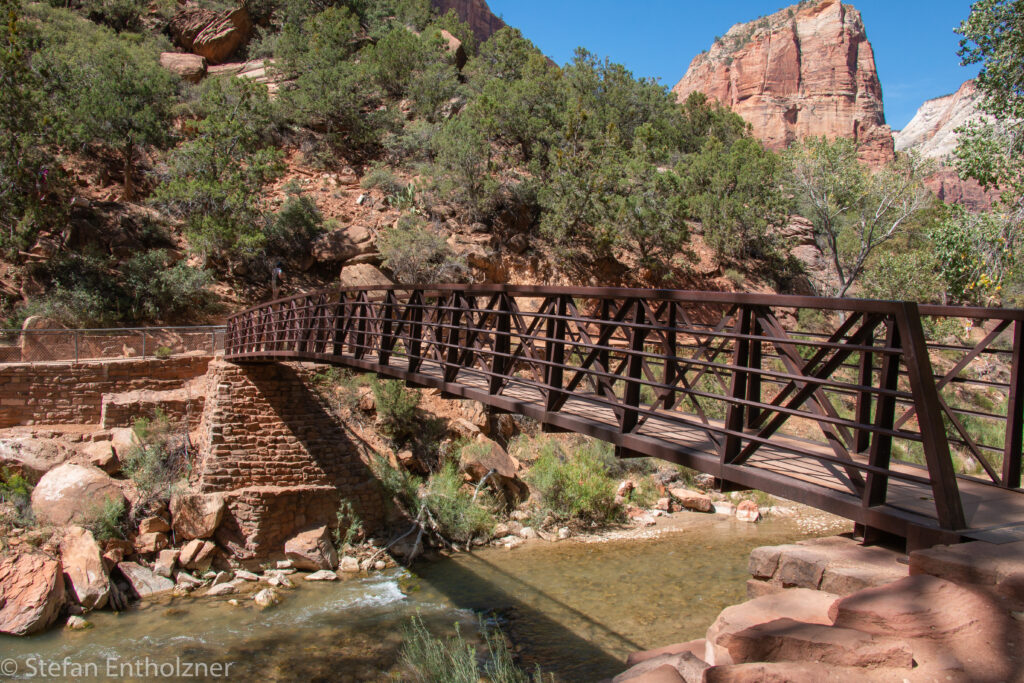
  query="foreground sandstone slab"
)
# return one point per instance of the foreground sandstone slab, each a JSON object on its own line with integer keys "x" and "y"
{"x": 31, "y": 593}
{"x": 196, "y": 515}
{"x": 800, "y": 604}
{"x": 985, "y": 564}
{"x": 787, "y": 640}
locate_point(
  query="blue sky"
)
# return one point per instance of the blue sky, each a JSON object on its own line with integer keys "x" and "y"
{"x": 915, "y": 47}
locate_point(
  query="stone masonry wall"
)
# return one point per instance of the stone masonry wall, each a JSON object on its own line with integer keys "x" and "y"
{"x": 72, "y": 393}
{"x": 268, "y": 441}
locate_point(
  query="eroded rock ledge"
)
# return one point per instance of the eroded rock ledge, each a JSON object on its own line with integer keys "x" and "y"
{"x": 832, "y": 610}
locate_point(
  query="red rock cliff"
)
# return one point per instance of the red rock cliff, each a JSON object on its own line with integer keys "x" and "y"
{"x": 808, "y": 70}
{"x": 476, "y": 13}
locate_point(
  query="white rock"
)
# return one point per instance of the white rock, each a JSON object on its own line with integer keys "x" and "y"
{"x": 349, "y": 564}
{"x": 222, "y": 577}
{"x": 268, "y": 597}
{"x": 77, "y": 624}
{"x": 246, "y": 576}
{"x": 322, "y": 575}
{"x": 528, "y": 532}
{"x": 564, "y": 533}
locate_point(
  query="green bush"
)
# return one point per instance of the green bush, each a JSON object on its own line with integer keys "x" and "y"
{"x": 382, "y": 178}
{"x": 452, "y": 660}
{"x": 350, "y": 525}
{"x": 157, "y": 460}
{"x": 416, "y": 255}
{"x": 396, "y": 409}
{"x": 575, "y": 487}
{"x": 15, "y": 490}
{"x": 107, "y": 520}
{"x": 457, "y": 516}
{"x": 291, "y": 231}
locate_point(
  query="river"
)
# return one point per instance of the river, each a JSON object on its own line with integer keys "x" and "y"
{"x": 575, "y": 609}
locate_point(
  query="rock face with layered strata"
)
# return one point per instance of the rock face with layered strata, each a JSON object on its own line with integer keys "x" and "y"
{"x": 801, "y": 72}
{"x": 476, "y": 13}
{"x": 932, "y": 131}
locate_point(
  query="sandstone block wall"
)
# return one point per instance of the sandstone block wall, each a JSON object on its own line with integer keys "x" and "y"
{"x": 268, "y": 441}
{"x": 72, "y": 393}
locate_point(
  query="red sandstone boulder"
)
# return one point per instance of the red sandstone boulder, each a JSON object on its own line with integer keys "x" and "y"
{"x": 197, "y": 555}
{"x": 747, "y": 511}
{"x": 800, "y": 604}
{"x": 696, "y": 647}
{"x": 984, "y": 564}
{"x": 196, "y": 515}
{"x": 144, "y": 582}
{"x": 312, "y": 549}
{"x": 189, "y": 67}
{"x": 342, "y": 244}
{"x": 692, "y": 500}
{"x": 73, "y": 493}
{"x": 100, "y": 454}
{"x": 486, "y": 456}
{"x": 31, "y": 593}
{"x": 153, "y": 542}
{"x": 786, "y": 640}
{"x": 84, "y": 572}
{"x": 454, "y": 47}
{"x": 213, "y": 35}
{"x": 804, "y": 672}
{"x": 154, "y": 525}
{"x": 31, "y": 457}
{"x": 684, "y": 666}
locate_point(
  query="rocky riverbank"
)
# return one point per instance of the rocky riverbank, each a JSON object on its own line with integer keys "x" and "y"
{"x": 832, "y": 610}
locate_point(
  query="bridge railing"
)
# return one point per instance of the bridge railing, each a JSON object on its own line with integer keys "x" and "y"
{"x": 46, "y": 345}
{"x": 859, "y": 397}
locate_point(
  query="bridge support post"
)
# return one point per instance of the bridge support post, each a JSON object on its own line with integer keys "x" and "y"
{"x": 500, "y": 361}
{"x": 555, "y": 354}
{"x": 1014, "y": 440}
{"x": 877, "y": 485}
{"x": 631, "y": 396}
{"x": 948, "y": 505}
{"x": 734, "y": 413}
{"x": 415, "y": 307}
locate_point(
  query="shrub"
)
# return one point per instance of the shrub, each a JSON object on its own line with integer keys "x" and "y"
{"x": 416, "y": 255}
{"x": 163, "y": 352}
{"x": 575, "y": 487}
{"x": 453, "y": 509}
{"x": 158, "y": 459}
{"x": 15, "y": 490}
{"x": 291, "y": 231}
{"x": 381, "y": 178}
{"x": 350, "y": 525}
{"x": 396, "y": 409}
{"x": 107, "y": 521}
{"x": 453, "y": 660}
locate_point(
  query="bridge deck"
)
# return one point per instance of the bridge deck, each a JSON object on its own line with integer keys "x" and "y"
{"x": 992, "y": 514}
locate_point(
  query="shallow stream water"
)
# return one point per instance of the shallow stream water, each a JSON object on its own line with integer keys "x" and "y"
{"x": 575, "y": 609}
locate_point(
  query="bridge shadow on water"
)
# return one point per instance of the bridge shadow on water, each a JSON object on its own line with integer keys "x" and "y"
{"x": 546, "y": 631}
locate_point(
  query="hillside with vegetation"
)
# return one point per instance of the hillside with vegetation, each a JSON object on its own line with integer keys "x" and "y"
{"x": 382, "y": 134}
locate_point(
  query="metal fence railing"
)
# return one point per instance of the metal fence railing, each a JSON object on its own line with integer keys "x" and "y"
{"x": 36, "y": 346}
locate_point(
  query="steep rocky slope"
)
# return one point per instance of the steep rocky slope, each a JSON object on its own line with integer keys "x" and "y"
{"x": 807, "y": 70}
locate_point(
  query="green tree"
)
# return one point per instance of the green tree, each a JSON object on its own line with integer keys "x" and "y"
{"x": 110, "y": 90}
{"x": 465, "y": 167}
{"x": 416, "y": 255}
{"x": 977, "y": 255}
{"x": 735, "y": 192}
{"x": 991, "y": 150}
{"x": 214, "y": 179}
{"x": 853, "y": 209}
{"x": 25, "y": 133}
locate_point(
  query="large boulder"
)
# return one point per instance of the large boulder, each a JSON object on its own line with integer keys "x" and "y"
{"x": 31, "y": 593}
{"x": 31, "y": 457}
{"x": 144, "y": 582}
{"x": 189, "y": 67}
{"x": 692, "y": 500}
{"x": 312, "y": 549}
{"x": 487, "y": 457}
{"x": 985, "y": 564}
{"x": 73, "y": 493}
{"x": 84, "y": 571}
{"x": 213, "y": 35}
{"x": 342, "y": 244}
{"x": 799, "y": 604}
{"x": 196, "y": 515}
{"x": 363, "y": 275}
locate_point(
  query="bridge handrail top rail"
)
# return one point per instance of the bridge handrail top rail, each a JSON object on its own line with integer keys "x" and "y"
{"x": 682, "y": 295}
{"x": 67, "y": 330}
